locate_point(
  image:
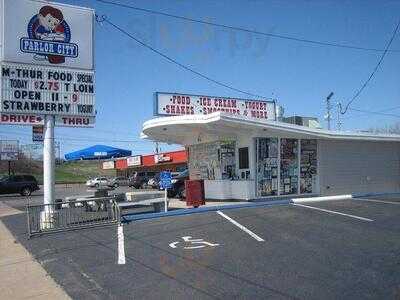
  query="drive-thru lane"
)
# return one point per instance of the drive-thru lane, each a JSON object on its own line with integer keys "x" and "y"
{"x": 305, "y": 254}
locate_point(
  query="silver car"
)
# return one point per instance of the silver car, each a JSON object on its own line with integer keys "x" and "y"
{"x": 119, "y": 181}
{"x": 97, "y": 182}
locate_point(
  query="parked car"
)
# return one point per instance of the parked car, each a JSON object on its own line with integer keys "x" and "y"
{"x": 21, "y": 184}
{"x": 178, "y": 185}
{"x": 119, "y": 181}
{"x": 140, "y": 179}
{"x": 97, "y": 182}
{"x": 154, "y": 182}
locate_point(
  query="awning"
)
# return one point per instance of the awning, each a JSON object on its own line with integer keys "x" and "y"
{"x": 192, "y": 129}
{"x": 97, "y": 152}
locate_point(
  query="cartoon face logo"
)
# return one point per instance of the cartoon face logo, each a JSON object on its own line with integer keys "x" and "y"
{"x": 49, "y": 37}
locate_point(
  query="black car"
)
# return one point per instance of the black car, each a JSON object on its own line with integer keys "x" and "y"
{"x": 140, "y": 179}
{"x": 178, "y": 185}
{"x": 21, "y": 184}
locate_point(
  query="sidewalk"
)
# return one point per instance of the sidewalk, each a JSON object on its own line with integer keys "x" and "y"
{"x": 22, "y": 277}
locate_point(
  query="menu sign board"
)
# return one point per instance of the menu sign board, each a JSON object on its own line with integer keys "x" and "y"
{"x": 41, "y": 90}
{"x": 172, "y": 104}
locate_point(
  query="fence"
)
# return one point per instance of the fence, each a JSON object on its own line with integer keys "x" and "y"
{"x": 71, "y": 215}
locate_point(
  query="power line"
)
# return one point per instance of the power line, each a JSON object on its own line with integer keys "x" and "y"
{"x": 170, "y": 59}
{"x": 373, "y": 72}
{"x": 80, "y": 140}
{"x": 375, "y": 112}
{"x": 366, "y": 112}
{"x": 279, "y": 36}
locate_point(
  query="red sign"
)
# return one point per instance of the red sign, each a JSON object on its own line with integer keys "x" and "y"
{"x": 15, "y": 119}
{"x": 158, "y": 158}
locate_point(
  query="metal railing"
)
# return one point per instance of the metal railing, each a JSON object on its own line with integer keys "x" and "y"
{"x": 71, "y": 215}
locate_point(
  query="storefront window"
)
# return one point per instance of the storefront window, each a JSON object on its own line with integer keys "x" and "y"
{"x": 289, "y": 167}
{"x": 212, "y": 161}
{"x": 267, "y": 166}
{"x": 308, "y": 166}
{"x": 243, "y": 158}
{"x": 227, "y": 158}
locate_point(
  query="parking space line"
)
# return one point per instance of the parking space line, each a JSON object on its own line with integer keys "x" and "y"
{"x": 377, "y": 201}
{"x": 121, "y": 245}
{"x": 252, "y": 234}
{"x": 334, "y": 212}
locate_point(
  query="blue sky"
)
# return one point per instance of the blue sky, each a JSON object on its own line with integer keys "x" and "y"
{"x": 298, "y": 75}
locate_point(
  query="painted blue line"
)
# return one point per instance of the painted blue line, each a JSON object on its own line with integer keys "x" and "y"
{"x": 188, "y": 211}
{"x": 374, "y": 195}
{"x": 255, "y": 203}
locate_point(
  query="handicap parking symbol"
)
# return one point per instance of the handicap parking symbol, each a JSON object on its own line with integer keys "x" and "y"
{"x": 191, "y": 243}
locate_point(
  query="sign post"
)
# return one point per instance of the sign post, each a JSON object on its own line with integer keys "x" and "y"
{"x": 165, "y": 183}
{"x": 48, "y": 162}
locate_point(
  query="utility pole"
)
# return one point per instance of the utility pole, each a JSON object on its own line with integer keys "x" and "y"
{"x": 328, "y": 110}
{"x": 338, "y": 122}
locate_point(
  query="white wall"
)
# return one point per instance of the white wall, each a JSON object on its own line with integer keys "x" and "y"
{"x": 229, "y": 189}
{"x": 358, "y": 167}
{"x": 246, "y": 141}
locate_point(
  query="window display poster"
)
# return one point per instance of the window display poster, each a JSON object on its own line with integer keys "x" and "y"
{"x": 308, "y": 168}
{"x": 267, "y": 166}
{"x": 289, "y": 166}
{"x": 212, "y": 161}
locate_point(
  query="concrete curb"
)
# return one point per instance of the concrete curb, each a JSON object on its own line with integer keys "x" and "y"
{"x": 374, "y": 195}
{"x": 319, "y": 199}
{"x": 340, "y": 197}
{"x": 188, "y": 211}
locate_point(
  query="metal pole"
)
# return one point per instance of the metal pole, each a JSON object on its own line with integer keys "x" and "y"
{"x": 9, "y": 168}
{"x": 165, "y": 200}
{"x": 328, "y": 113}
{"x": 48, "y": 160}
{"x": 328, "y": 109}
{"x": 339, "y": 124}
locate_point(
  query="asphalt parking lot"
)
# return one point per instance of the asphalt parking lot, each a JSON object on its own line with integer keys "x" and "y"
{"x": 342, "y": 249}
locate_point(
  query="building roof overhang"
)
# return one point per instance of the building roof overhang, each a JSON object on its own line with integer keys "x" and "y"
{"x": 192, "y": 129}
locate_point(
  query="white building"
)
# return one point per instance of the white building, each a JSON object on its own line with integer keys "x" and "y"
{"x": 242, "y": 158}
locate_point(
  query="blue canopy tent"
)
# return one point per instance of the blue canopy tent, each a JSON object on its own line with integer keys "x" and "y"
{"x": 97, "y": 152}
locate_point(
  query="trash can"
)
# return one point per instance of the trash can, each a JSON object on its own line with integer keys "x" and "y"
{"x": 194, "y": 193}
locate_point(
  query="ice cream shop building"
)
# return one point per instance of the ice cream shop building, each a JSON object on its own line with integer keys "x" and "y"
{"x": 243, "y": 152}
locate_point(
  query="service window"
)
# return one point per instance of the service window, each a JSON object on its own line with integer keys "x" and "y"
{"x": 227, "y": 159}
{"x": 244, "y": 158}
